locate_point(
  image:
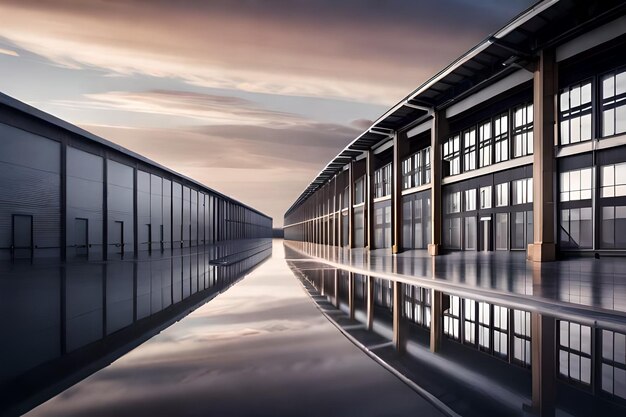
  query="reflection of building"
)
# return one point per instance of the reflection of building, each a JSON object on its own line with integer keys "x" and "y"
{"x": 520, "y": 144}
{"x": 67, "y": 193}
{"x": 64, "y": 321}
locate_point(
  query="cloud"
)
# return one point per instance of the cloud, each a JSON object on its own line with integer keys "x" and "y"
{"x": 209, "y": 109}
{"x": 372, "y": 51}
{"x": 264, "y": 166}
{"x": 8, "y": 52}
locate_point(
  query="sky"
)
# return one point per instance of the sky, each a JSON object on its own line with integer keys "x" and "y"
{"x": 249, "y": 97}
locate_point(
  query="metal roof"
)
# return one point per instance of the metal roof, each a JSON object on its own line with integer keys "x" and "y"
{"x": 500, "y": 54}
{"x": 48, "y": 118}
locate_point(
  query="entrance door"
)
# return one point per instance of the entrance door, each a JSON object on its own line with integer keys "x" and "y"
{"x": 81, "y": 238}
{"x": 22, "y": 236}
{"x": 485, "y": 241}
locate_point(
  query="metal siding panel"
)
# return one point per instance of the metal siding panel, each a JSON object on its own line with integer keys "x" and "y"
{"x": 84, "y": 198}
{"x": 120, "y": 206}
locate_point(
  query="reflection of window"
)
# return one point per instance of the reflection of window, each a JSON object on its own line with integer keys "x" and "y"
{"x": 613, "y": 180}
{"x": 417, "y": 304}
{"x": 521, "y": 337}
{"x": 575, "y": 113}
{"x": 469, "y": 321}
{"x": 501, "y": 137}
{"x": 522, "y": 191}
{"x": 485, "y": 144}
{"x": 469, "y": 150}
{"x": 576, "y": 185}
{"x": 500, "y": 331}
{"x": 576, "y": 228}
{"x": 523, "y": 130}
{"x": 575, "y": 351}
{"x": 451, "y": 154}
{"x": 470, "y": 199}
{"x": 614, "y": 103}
{"x": 485, "y": 197}
{"x": 614, "y": 363}
{"x": 502, "y": 194}
{"x": 451, "y": 318}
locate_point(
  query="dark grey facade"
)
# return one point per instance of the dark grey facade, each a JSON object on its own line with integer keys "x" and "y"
{"x": 65, "y": 193}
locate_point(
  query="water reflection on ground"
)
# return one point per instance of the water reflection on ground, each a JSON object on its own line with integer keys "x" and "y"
{"x": 262, "y": 348}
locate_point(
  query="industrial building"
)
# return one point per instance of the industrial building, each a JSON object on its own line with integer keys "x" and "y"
{"x": 483, "y": 219}
{"x": 68, "y": 194}
{"x": 518, "y": 145}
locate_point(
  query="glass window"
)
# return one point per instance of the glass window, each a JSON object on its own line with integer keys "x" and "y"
{"x": 470, "y": 199}
{"x": 425, "y": 165}
{"x": 469, "y": 150}
{"x": 522, "y": 191}
{"x": 575, "y": 113}
{"x": 485, "y": 144}
{"x": 614, "y": 103}
{"x": 453, "y": 233}
{"x": 613, "y": 180}
{"x": 382, "y": 181}
{"x": 575, "y": 352}
{"x": 485, "y": 197}
{"x": 575, "y": 185}
{"x": 454, "y": 202}
{"x": 470, "y": 233}
{"x": 408, "y": 173}
{"x": 613, "y": 227}
{"x": 452, "y": 154}
{"x": 359, "y": 191}
{"x": 523, "y": 130}
{"x": 502, "y": 231}
{"x": 501, "y": 137}
{"x": 502, "y": 194}
{"x": 576, "y": 229}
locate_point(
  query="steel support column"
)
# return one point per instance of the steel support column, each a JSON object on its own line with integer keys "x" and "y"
{"x": 369, "y": 203}
{"x": 400, "y": 146}
{"x": 545, "y": 88}
{"x": 439, "y": 132}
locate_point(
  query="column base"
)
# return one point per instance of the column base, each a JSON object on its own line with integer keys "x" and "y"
{"x": 434, "y": 249}
{"x": 395, "y": 249}
{"x": 541, "y": 252}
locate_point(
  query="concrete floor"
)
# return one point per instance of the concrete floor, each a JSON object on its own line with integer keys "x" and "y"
{"x": 592, "y": 289}
{"x": 259, "y": 349}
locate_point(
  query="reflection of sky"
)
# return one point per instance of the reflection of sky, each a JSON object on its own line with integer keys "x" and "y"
{"x": 334, "y": 65}
{"x": 261, "y": 348}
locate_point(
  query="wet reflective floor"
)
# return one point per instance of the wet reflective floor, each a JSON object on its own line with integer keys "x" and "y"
{"x": 261, "y": 348}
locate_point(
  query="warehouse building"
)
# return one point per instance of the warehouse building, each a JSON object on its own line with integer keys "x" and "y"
{"x": 518, "y": 145}
{"x": 68, "y": 194}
